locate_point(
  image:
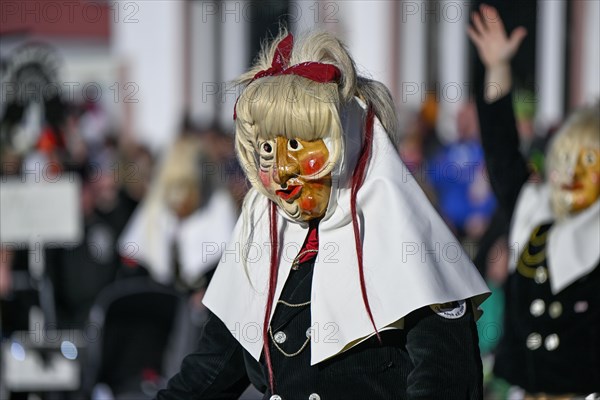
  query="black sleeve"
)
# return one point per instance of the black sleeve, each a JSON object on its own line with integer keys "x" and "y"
{"x": 506, "y": 166}
{"x": 215, "y": 370}
{"x": 445, "y": 355}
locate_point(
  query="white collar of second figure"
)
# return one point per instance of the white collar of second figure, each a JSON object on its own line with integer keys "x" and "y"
{"x": 572, "y": 249}
{"x": 411, "y": 259}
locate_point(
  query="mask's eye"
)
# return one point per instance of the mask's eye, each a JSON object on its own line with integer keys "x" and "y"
{"x": 294, "y": 145}
{"x": 266, "y": 150}
{"x": 589, "y": 158}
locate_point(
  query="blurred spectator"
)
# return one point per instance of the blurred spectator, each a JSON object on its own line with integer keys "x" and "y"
{"x": 420, "y": 143}
{"x": 412, "y": 153}
{"x": 179, "y": 230}
{"x": 219, "y": 145}
{"x": 134, "y": 172}
{"x": 427, "y": 122}
{"x": 93, "y": 125}
{"x": 457, "y": 173}
{"x": 81, "y": 272}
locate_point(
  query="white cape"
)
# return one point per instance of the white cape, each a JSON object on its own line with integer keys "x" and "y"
{"x": 201, "y": 237}
{"x": 411, "y": 259}
{"x": 573, "y": 246}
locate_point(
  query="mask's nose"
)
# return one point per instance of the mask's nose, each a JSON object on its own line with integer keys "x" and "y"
{"x": 579, "y": 168}
{"x": 286, "y": 164}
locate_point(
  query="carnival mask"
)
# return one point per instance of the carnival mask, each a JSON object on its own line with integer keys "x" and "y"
{"x": 585, "y": 186}
{"x": 289, "y": 171}
{"x": 576, "y": 178}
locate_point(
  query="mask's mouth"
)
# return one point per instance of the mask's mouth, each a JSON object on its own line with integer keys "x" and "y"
{"x": 572, "y": 186}
{"x": 290, "y": 193}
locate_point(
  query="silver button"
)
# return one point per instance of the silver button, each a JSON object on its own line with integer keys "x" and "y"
{"x": 314, "y": 396}
{"x": 555, "y": 309}
{"x": 275, "y": 397}
{"x": 552, "y": 342}
{"x": 580, "y": 306}
{"x": 280, "y": 337}
{"x": 541, "y": 275}
{"x": 537, "y": 307}
{"x": 308, "y": 332}
{"x": 534, "y": 341}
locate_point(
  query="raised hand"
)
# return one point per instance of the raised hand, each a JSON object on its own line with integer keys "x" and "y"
{"x": 489, "y": 37}
{"x": 495, "y": 49}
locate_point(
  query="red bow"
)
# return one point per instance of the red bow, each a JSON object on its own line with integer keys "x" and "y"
{"x": 314, "y": 71}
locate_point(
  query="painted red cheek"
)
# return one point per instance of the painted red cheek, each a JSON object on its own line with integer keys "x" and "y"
{"x": 264, "y": 178}
{"x": 312, "y": 165}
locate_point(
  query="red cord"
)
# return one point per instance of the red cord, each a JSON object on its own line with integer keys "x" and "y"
{"x": 271, "y": 293}
{"x": 357, "y": 180}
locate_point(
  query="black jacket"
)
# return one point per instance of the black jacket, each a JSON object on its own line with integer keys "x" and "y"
{"x": 431, "y": 358}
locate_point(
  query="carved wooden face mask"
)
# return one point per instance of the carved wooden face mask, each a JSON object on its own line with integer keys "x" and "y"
{"x": 584, "y": 188}
{"x": 577, "y": 178}
{"x": 289, "y": 170}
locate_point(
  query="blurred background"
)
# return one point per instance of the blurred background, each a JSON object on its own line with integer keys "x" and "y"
{"x": 119, "y": 184}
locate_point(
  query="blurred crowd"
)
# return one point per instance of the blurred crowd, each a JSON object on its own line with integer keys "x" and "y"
{"x": 144, "y": 216}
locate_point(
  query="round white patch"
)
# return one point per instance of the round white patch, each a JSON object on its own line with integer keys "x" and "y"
{"x": 453, "y": 310}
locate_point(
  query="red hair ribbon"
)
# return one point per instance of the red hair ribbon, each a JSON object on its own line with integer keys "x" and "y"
{"x": 315, "y": 71}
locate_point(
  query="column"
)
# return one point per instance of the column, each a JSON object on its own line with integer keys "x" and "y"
{"x": 148, "y": 38}
{"x": 550, "y": 61}
{"x": 452, "y": 84}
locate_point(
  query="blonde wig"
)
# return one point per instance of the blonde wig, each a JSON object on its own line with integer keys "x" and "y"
{"x": 580, "y": 131}
{"x": 180, "y": 173}
{"x": 179, "y": 176}
{"x": 296, "y": 107}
